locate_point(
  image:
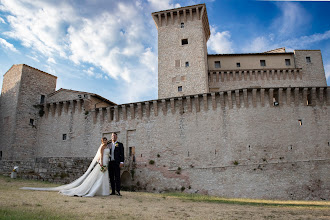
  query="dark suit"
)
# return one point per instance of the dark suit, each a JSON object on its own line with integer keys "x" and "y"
{"x": 114, "y": 169}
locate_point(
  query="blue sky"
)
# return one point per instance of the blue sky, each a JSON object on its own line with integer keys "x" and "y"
{"x": 109, "y": 47}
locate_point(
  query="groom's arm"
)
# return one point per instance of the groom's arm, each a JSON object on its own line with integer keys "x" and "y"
{"x": 122, "y": 157}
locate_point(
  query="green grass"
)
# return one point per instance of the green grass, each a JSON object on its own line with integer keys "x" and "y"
{"x": 21, "y": 214}
{"x": 251, "y": 202}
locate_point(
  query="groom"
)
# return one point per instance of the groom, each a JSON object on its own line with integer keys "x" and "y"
{"x": 116, "y": 161}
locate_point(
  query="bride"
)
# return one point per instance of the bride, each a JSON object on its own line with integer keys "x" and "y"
{"x": 94, "y": 182}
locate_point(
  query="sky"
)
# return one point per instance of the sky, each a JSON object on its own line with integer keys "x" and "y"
{"x": 109, "y": 47}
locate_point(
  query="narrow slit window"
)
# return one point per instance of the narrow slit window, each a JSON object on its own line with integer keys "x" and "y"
{"x": 308, "y": 59}
{"x": 275, "y": 98}
{"x": 184, "y": 41}
{"x": 131, "y": 151}
{"x": 0, "y": 155}
{"x": 31, "y": 121}
{"x": 288, "y": 62}
{"x": 42, "y": 99}
{"x": 262, "y": 62}
{"x": 309, "y": 99}
{"x": 187, "y": 64}
{"x": 182, "y": 25}
{"x": 217, "y": 64}
{"x": 300, "y": 122}
{"x": 64, "y": 137}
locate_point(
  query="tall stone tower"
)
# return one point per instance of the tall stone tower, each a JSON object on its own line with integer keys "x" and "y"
{"x": 182, "y": 51}
{"x": 23, "y": 89}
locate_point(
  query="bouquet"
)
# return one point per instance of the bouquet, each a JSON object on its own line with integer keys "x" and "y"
{"x": 15, "y": 169}
{"x": 103, "y": 168}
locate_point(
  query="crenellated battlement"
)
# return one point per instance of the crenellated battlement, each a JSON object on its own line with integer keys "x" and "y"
{"x": 217, "y": 77}
{"x": 183, "y": 14}
{"x": 226, "y": 100}
{"x": 236, "y": 79}
{"x": 63, "y": 107}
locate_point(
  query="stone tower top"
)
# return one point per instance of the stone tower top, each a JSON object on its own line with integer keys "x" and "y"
{"x": 182, "y": 51}
{"x": 167, "y": 17}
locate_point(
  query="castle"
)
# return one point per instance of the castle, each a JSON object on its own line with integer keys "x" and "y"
{"x": 250, "y": 125}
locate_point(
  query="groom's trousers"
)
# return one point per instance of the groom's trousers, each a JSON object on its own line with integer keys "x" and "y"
{"x": 114, "y": 175}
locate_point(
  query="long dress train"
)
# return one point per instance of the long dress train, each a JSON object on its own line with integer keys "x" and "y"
{"x": 94, "y": 182}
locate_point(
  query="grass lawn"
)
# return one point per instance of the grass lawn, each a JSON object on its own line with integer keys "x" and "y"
{"x": 24, "y": 204}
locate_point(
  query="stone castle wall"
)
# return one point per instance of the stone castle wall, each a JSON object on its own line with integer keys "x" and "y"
{"x": 275, "y": 74}
{"x": 20, "y": 96}
{"x": 233, "y": 143}
{"x": 8, "y": 105}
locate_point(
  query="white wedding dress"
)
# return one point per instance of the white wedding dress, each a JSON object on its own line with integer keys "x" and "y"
{"x": 94, "y": 182}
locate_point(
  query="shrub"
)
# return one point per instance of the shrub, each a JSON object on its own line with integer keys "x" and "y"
{"x": 151, "y": 162}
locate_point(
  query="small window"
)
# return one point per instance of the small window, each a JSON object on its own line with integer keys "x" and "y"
{"x": 300, "y": 122}
{"x": 177, "y": 63}
{"x": 238, "y": 64}
{"x": 131, "y": 151}
{"x": 42, "y": 99}
{"x": 262, "y": 62}
{"x": 31, "y": 121}
{"x": 309, "y": 99}
{"x": 0, "y": 155}
{"x": 275, "y": 98}
{"x": 64, "y": 137}
{"x": 187, "y": 64}
{"x": 79, "y": 96}
{"x": 217, "y": 64}
{"x": 288, "y": 62}
{"x": 184, "y": 41}
{"x": 179, "y": 88}
{"x": 182, "y": 25}
{"x": 308, "y": 59}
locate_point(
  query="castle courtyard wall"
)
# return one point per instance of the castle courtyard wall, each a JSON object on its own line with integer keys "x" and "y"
{"x": 236, "y": 145}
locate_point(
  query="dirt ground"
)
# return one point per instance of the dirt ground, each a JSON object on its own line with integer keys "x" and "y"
{"x": 140, "y": 205}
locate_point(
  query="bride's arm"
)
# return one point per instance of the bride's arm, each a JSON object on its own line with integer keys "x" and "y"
{"x": 101, "y": 156}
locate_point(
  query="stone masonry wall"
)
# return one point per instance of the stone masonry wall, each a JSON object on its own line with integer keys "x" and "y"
{"x": 34, "y": 83}
{"x": 234, "y": 143}
{"x": 314, "y": 70}
{"x": 51, "y": 169}
{"x": 8, "y": 104}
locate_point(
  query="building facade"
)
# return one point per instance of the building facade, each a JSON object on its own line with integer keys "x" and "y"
{"x": 235, "y": 125}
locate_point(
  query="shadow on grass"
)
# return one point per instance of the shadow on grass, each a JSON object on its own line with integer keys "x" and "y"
{"x": 250, "y": 202}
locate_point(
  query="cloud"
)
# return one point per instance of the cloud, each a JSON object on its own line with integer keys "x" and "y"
{"x": 118, "y": 37}
{"x": 327, "y": 72}
{"x": 38, "y": 24}
{"x": 2, "y": 21}
{"x": 265, "y": 43}
{"x": 259, "y": 44}
{"x": 220, "y": 42}
{"x": 157, "y": 5}
{"x": 305, "y": 41}
{"x": 7, "y": 45}
{"x": 90, "y": 71}
{"x": 293, "y": 17}
{"x": 51, "y": 60}
{"x": 33, "y": 58}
